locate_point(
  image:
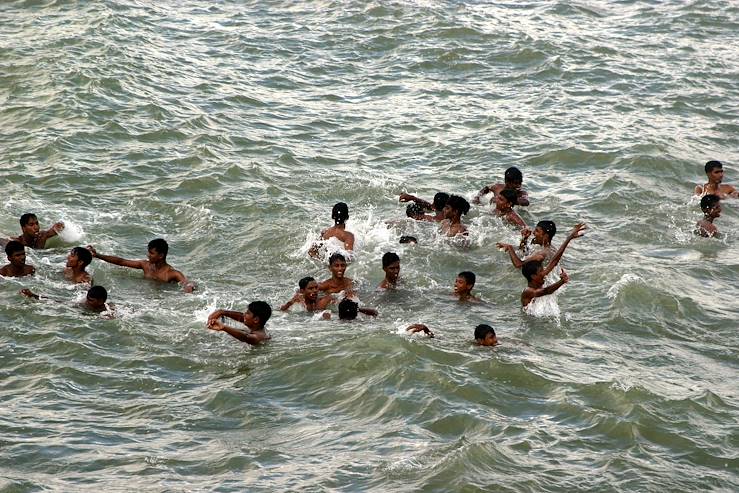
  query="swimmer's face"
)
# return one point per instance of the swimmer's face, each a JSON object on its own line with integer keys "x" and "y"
{"x": 95, "y": 304}
{"x": 513, "y": 185}
{"x": 538, "y": 278}
{"x": 72, "y": 260}
{"x": 539, "y": 236}
{"x": 392, "y": 271}
{"x": 311, "y": 291}
{"x": 490, "y": 340}
{"x": 449, "y": 212}
{"x": 32, "y": 227}
{"x": 461, "y": 286}
{"x": 251, "y": 320}
{"x": 501, "y": 203}
{"x": 338, "y": 268}
{"x": 715, "y": 212}
{"x": 716, "y": 175}
{"x": 17, "y": 258}
{"x": 153, "y": 256}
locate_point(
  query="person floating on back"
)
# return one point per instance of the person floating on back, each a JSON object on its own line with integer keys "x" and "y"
{"x": 339, "y": 213}
{"x": 440, "y": 200}
{"x": 17, "y": 267}
{"x": 307, "y": 296}
{"x": 504, "y": 202}
{"x": 255, "y": 318}
{"x": 715, "y": 174}
{"x": 711, "y": 207}
{"x": 455, "y": 207}
{"x": 391, "y": 266}
{"x": 77, "y": 260}
{"x": 463, "y": 285}
{"x": 485, "y": 336}
{"x": 155, "y": 266}
{"x": 337, "y": 282}
{"x": 31, "y": 234}
{"x": 95, "y": 300}
{"x": 513, "y": 179}
{"x": 543, "y": 234}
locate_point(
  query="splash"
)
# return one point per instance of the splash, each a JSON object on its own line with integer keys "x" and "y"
{"x": 71, "y": 233}
{"x": 625, "y": 280}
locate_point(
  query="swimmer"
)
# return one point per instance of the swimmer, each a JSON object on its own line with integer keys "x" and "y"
{"x": 77, "y": 260}
{"x": 391, "y": 266}
{"x": 548, "y": 227}
{"x": 416, "y": 212}
{"x": 337, "y": 282}
{"x": 463, "y": 285}
{"x": 485, "y": 336}
{"x": 17, "y": 267}
{"x": 255, "y": 318}
{"x": 504, "y": 202}
{"x": 155, "y": 266}
{"x": 455, "y": 207}
{"x": 31, "y": 234}
{"x": 535, "y": 274}
{"x": 340, "y": 213}
{"x": 95, "y": 300}
{"x": 412, "y": 240}
{"x": 711, "y": 207}
{"x": 513, "y": 179}
{"x": 715, "y": 174}
{"x": 543, "y": 234}
{"x": 349, "y": 309}
{"x": 308, "y": 297}
{"x": 440, "y": 200}
{"x": 415, "y": 328}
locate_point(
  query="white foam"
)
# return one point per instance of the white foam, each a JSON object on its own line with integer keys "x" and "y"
{"x": 71, "y": 233}
{"x": 625, "y": 280}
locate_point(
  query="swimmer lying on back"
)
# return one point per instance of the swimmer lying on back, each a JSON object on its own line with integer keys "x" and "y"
{"x": 95, "y": 300}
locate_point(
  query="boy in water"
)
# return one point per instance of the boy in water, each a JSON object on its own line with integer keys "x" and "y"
{"x": 715, "y": 174}
{"x": 308, "y": 297}
{"x": 339, "y": 213}
{"x": 455, "y": 207}
{"x": 513, "y": 179}
{"x": 95, "y": 301}
{"x": 485, "y": 336}
{"x": 255, "y": 317}
{"x": 31, "y": 234}
{"x": 504, "y": 202}
{"x": 711, "y": 207}
{"x": 463, "y": 285}
{"x": 440, "y": 200}
{"x": 17, "y": 267}
{"x": 416, "y": 212}
{"x": 535, "y": 274}
{"x": 348, "y": 310}
{"x": 77, "y": 260}
{"x": 543, "y": 234}
{"x": 337, "y": 282}
{"x": 155, "y": 266}
{"x": 391, "y": 266}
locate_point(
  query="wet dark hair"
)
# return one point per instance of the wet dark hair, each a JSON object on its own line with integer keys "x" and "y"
{"x": 97, "y": 293}
{"x": 414, "y": 210}
{"x": 709, "y": 201}
{"x": 340, "y": 213}
{"x": 408, "y": 239}
{"x": 440, "y": 200}
{"x": 334, "y": 257}
{"x": 711, "y": 165}
{"x": 469, "y": 277}
{"x": 530, "y": 268}
{"x": 159, "y": 245}
{"x": 550, "y": 229}
{"x": 513, "y": 175}
{"x": 482, "y": 330}
{"x": 510, "y": 195}
{"x": 303, "y": 283}
{"x": 458, "y": 204}
{"x": 261, "y": 310}
{"x": 389, "y": 258}
{"x": 83, "y": 254}
{"x": 25, "y": 218}
{"x": 348, "y": 309}
{"x": 13, "y": 247}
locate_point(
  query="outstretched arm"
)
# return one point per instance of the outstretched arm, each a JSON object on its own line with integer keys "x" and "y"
{"x": 406, "y": 197}
{"x": 517, "y": 262}
{"x": 233, "y": 315}
{"x": 53, "y": 231}
{"x": 368, "y": 311}
{"x": 238, "y": 334}
{"x": 420, "y": 328}
{"x": 134, "y": 264}
{"x": 576, "y": 232}
{"x": 516, "y": 220}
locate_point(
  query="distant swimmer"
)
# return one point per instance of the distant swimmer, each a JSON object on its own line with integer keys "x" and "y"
{"x": 155, "y": 266}
{"x": 337, "y": 282}
{"x": 513, "y": 179}
{"x": 543, "y": 234}
{"x": 77, "y": 260}
{"x": 485, "y": 335}
{"x": 391, "y": 266}
{"x": 715, "y": 174}
{"x": 455, "y": 207}
{"x": 95, "y": 300}
{"x": 17, "y": 267}
{"x": 535, "y": 275}
{"x": 463, "y": 285}
{"x": 255, "y": 318}
{"x": 504, "y": 202}
{"x": 31, "y": 234}
{"x": 307, "y": 296}
{"x": 711, "y": 207}
{"x": 416, "y": 328}
{"x": 339, "y": 213}
{"x": 440, "y": 200}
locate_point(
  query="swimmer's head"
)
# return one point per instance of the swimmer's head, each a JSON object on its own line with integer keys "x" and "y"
{"x": 96, "y": 297}
{"x": 485, "y": 335}
{"x": 348, "y": 309}
{"x": 714, "y": 171}
{"x": 506, "y": 198}
{"x": 546, "y": 228}
{"x": 391, "y": 266}
{"x": 340, "y": 213}
{"x": 158, "y": 246}
{"x": 513, "y": 177}
{"x": 389, "y": 258}
{"x": 440, "y": 200}
{"x": 257, "y": 314}
{"x": 711, "y": 165}
{"x": 304, "y": 282}
{"x": 711, "y": 205}
{"x": 456, "y": 205}
{"x": 409, "y": 239}
{"x": 79, "y": 256}
{"x": 464, "y": 282}
{"x": 414, "y": 211}
{"x": 29, "y": 224}
{"x": 336, "y": 257}
{"x": 16, "y": 252}
{"x": 337, "y": 265}
{"x": 531, "y": 269}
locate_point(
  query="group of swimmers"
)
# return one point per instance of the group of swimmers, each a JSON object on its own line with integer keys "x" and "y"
{"x": 538, "y": 260}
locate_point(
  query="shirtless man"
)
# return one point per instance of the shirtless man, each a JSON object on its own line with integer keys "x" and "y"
{"x": 485, "y": 336}
{"x": 77, "y": 260}
{"x": 535, "y": 274}
{"x": 17, "y": 267}
{"x": 308, "y": 297}
{"x": 711, "y": 207}
{"x": 31, "y": 234}
{"x": 453, "y": 210}
{"x": 504, "y": 202}
{"x": 715, "y": 174}
{"x": 513, "y": 179}
{"x": 463, "y": 285}
{"x": 440, "y": 200}
{"x": 155, "y": 266}
{"x": 337, "y": 282}
{"x": 543, "y": 234}
{"x": 391, "y": 266}
{"x": 349, "y": 309}
{"x": 95, "y": 301}
{"x": 340, "y": 213}
{"x": 255, "y": 317}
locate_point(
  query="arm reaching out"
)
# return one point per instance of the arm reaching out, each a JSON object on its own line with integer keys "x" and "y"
{"x": 531, "y": 293}
{"x": 406, "y": 197}
{"x": 238, "y": 334}
{"x": 133, "y": 264}
{"x": 420, "y": 328}
{"x": 576, "y": 232}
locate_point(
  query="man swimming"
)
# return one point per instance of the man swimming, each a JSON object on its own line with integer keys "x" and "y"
{"x": 504, "y": 202}
{"x": 463, "y": 285}
{"x": 155, "y": 266}
{"x": 337, "y": 282}
{"x": 543, "y": 234}
{"x": 391, "y": 266}
{"x": 17, "y": 267}
{"x": 513, "y": 179}
{"x": 339, "y": 213}
{"x": 485, "y": 335}
{"x": 308, "y": 297}
{"x": 77, "y": 260}
{"x": 349, "y": 309}
{"x": 455, "y": 207}
{"x": 95, "y": 300}
{"x": 31, "y": 234}
{"x": 440, "y": 200}
{"x": 255, "y": 318}
{"x": 715, "y": 174}
{"x": 711, "y": 207}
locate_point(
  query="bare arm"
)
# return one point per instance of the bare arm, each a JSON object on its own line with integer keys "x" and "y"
{"x": 517, "y": 262}
{"x": 523, "y": 198}
{"x": 53, "y": 231}
{"x": 368, "y": 311}
{"x": 238, "y": 334}
{"x": 349, "y": 241}
{"x": 234, "y": 315}
{"x": 297, "y": 297}
{"x": 698, "y": 190}
{"x": 531, "y": 293}
{"x": 178, "y": 276}
{"x": 325, "y": 301}
{"x": 134, "y": 264}
{"x": 483, "y": 191}
{"x": 406, "y": 197}
{"x": 420, "y": 328}
{"x": 516, "y": 220}
{"x": 576, "y": 232}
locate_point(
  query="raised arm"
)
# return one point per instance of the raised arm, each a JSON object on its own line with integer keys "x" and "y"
{"x": 517, "y": 262}
{"x": 516, "y": 220}
{"x": 576, "y": 232}
{"x": 531, "y": 293}
{"x": 134, "y": 264}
